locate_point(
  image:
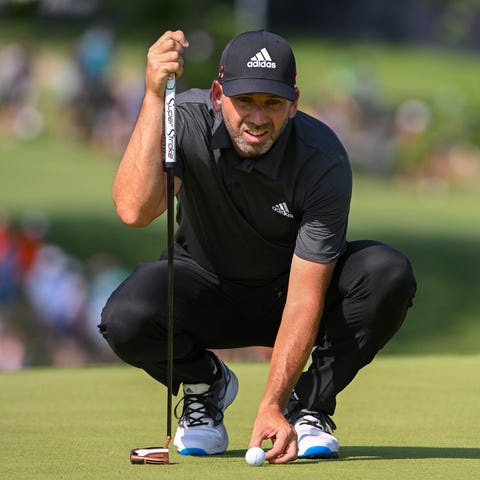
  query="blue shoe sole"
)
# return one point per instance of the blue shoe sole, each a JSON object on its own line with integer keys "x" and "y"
{"x": 318, "y": 452}
{"x": 197, "y": 452}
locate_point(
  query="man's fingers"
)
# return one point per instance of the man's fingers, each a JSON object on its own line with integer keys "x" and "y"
{"x": 284, "y": 447}
{"x": 257, "y": 438}
{"x": 271, "y": 425}
{"x": 180, "y": 38}
{"x": 279, "y": 445}
{"x": 171, "y": 39}
{"x": 170, "y": 42}
{"x": 165, "y": 56}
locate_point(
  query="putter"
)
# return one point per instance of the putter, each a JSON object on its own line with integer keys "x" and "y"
{"x": 160, "y": 455}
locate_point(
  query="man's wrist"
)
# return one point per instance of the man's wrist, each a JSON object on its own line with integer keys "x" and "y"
{"x": 153, "y": 99}
{"x": 271, "y": 405}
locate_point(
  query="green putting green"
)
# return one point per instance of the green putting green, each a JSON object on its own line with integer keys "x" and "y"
{"x": 402, "y": 418}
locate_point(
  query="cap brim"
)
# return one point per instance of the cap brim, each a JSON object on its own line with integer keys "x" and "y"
{"x": 242, "y": 86}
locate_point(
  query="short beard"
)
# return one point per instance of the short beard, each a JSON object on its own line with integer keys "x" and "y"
{"x": 248, "y": 149}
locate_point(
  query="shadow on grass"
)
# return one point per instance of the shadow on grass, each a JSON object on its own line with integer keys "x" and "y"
{"x": 406, "y": 452}
{"x": 358, "y": 453}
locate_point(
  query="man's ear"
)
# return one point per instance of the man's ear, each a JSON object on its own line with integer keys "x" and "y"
{"x": 217, "y": 93}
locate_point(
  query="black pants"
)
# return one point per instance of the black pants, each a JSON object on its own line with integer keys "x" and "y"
{"x": 370, "y": 293}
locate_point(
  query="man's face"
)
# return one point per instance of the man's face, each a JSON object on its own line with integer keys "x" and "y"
{"x": 254, "y": 120}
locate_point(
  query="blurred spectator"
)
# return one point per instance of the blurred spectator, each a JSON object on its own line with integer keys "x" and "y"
{"x": 350, "y": 103}
{"x": 94, "y": 99}
{"x": 412, "y": 118}
{"x": 114, "y": 129}
{"x": 33, "y": 229}
{"x": 19, "y": 115}
{"x": 9, "y": 274}
{"x": 56, "y": 288}
{"x": 50, "y": 301}
{"x": 15, "y": 74}
{"x": 105, "y": 275}
{"x": 102, "y": 108}
{"x": 18, "y": 250}
{"x": 12, "y": 347}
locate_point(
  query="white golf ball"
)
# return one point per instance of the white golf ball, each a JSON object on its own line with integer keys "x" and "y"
{"x": 255, "y": 456}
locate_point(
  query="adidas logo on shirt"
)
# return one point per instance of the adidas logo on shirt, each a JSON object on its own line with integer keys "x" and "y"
{"x": 261, "y": 59}
{"x": 282, "y": 209}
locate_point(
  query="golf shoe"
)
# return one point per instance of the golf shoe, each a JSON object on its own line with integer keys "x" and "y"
{"x": 314, "y": 431}
{"x": 201, "y": 430}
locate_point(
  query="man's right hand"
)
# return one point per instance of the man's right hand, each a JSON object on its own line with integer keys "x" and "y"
{"x": 271, "y": 424}
{"x": 139, "y": 185}
{"x": 164, "y": 56}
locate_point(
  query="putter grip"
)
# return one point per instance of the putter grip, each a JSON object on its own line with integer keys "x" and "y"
{"x": 170, "y": 147}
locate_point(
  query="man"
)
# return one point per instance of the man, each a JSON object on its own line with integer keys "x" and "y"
{"x": 261, "y": 253}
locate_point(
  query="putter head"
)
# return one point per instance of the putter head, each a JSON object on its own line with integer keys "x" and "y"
{"x": 150, "y": 455}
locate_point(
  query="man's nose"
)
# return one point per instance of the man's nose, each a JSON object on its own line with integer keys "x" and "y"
{"x": 257, "y": 115}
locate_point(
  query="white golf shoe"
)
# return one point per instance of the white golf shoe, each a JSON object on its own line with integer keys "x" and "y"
{"x": 315, "y": 439}
{"x": 201, "y": 430}
{"x": 314, "y": 431}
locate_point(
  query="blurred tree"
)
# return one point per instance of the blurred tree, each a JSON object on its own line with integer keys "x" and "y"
{"x": 154, "y": 15}
{"x": 208, "y": 24}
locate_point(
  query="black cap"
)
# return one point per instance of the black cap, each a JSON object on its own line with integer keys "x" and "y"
{"x": 258, "y": 62}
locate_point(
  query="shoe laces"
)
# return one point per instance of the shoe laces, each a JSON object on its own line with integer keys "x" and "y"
{"x": 316, "y": 419}
{"x": 198, "y": 410}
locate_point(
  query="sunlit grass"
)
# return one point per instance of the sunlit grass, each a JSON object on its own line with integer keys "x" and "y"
{"x": 394, "y": 421}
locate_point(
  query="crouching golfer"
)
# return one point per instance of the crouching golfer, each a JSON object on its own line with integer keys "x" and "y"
{"x": 261, "y": 256}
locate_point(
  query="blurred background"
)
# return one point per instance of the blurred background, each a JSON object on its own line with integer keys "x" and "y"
{"x": 397, "y": 81}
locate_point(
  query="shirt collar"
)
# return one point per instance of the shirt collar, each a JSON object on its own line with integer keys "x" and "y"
{"x": 268, "y": 164}
{"x": 220, "y": 136}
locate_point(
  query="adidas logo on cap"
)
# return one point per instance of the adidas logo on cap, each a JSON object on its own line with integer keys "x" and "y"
{"x": 261, "y": 59}
{"x": 270, "y": 70}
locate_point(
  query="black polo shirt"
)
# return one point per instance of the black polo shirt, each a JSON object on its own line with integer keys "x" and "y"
{"x": 243, "y": 218}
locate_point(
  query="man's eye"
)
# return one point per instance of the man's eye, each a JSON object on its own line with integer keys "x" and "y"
{"x": 273, "y": 102}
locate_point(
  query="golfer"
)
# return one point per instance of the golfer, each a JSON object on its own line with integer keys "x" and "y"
{"x": 261, "y": 254}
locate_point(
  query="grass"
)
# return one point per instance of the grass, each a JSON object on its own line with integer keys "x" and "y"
{"x": 403, "y": 417}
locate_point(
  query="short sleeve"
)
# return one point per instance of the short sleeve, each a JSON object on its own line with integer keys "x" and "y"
{"x": 323, "y": 227}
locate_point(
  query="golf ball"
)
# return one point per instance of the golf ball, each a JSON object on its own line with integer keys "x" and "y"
{"x": 255, "y": 456}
